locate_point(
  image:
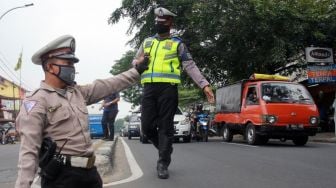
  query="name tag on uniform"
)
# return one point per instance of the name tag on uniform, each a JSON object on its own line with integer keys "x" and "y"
{"x": 53, "y": 108}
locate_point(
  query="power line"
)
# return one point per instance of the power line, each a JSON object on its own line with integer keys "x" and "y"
{"x": 16, "y": 78}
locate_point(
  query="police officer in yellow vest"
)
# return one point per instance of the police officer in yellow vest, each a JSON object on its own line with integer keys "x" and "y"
{"x": 167, "y": 56}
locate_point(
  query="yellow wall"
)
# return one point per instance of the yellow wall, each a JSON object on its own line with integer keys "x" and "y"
{"x": 6, "y": 89}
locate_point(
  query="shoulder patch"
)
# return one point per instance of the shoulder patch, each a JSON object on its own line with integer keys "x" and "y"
{"x": 29, "y": 105}
{"x": 177, "y": 39}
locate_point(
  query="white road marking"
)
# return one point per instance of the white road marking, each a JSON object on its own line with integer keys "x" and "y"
{"x": 135, "y": 168}
{"x": 246, "y": 145}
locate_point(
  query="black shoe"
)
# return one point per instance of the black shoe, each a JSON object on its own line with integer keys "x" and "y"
{"x": 162, "y": 171}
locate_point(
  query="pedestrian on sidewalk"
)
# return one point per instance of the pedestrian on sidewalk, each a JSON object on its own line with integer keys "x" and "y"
{"x": 167, "y": 55}
{"x": 110, "y": 105}
{"x": 57, "y": 113}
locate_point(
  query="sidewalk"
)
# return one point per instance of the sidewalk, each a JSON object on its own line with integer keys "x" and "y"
{"x": 328, "y": 137}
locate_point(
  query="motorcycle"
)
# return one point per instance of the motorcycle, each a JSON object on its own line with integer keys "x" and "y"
{"x": 200, "y": 129}
{"x": 7, "y": 134}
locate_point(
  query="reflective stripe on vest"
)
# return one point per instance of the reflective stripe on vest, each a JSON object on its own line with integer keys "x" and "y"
{"x": 164, "y": 65}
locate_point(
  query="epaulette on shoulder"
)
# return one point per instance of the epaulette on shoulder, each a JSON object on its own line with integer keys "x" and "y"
{"x": 33, "y": 92}
{"x": 176, "y": 38}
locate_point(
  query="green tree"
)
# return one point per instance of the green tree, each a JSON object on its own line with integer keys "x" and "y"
{"x": 226, "y": 37}
{"x": 132, "y": 94}
{"x": 119, "y": 123}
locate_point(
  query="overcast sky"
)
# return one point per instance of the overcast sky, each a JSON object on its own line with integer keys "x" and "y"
{"x": 98, "y": 44}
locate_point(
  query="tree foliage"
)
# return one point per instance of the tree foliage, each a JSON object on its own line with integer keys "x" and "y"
{"x": 132, "y": 94}
{"x": 119, "y": 123}
{"x": 230, "y": 40}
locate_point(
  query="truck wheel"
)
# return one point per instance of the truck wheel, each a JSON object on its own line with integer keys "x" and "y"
{"x": 227, "y": 134}
{"x": 251, "y": 135}
{"x": 129, "y": 137}
{"x": 300, "y": 140}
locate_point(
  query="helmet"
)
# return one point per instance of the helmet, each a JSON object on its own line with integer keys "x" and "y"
{"x": 199, "y": 106}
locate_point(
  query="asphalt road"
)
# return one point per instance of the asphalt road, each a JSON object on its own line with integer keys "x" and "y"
{"x": 216, "y": 164}
{"x": 9, "y": 155}
{"x": 236, "y": 165}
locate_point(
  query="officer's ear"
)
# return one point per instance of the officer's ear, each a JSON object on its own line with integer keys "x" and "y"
{"x": 170, "y": 20}
{"x": 47, "y": 65}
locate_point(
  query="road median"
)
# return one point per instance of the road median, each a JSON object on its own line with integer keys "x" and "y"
{"x": 104, "y": 152}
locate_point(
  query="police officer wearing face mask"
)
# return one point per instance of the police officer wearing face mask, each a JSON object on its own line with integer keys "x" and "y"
{"x": 167, "y": 55}
{"x": 57, "y": 110}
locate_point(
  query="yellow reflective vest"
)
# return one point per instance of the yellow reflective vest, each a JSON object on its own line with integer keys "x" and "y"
{"x": 164, "y": 64}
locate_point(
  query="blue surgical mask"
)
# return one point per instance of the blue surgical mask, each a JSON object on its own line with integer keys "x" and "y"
{"x": 66, "y": 73}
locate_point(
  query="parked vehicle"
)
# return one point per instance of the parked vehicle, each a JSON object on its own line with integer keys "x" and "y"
{"x": 134, "y": 126}
{"x": 181, "y": 126}
{"x": 265, "y": 107}
{"x": 96, "y": 129}
{"x": 8, "y": 134}
{"x": 123, "y": 132}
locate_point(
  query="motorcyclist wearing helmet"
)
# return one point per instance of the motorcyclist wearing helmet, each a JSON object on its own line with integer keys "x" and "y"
{"x": 194, "y": 116}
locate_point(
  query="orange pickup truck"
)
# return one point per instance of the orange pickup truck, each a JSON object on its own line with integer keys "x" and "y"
{"x": 265, "y": 107}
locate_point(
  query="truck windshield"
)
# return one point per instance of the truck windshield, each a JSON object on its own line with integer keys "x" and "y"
{"x": 285, "y": 93}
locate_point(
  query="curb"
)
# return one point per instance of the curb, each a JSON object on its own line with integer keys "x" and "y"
{"x": 104, "y": 151}
{"x": 326, "y": 140}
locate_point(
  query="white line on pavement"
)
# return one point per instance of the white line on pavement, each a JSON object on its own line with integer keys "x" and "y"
{"x": 135, "y": 168}
{"x": 240, "y": 144}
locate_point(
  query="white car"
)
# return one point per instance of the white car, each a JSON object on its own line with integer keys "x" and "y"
{"x": 182, "y": 126}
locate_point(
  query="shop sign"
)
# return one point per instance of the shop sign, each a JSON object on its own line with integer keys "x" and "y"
{"x": 319, "y": 55}
{"x": 321, "y": 74}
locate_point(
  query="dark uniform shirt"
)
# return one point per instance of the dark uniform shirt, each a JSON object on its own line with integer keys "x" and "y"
{"x": 114, "y": 106}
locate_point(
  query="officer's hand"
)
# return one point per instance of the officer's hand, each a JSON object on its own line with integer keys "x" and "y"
{"x": 142, "y": 63}
{"x": 208, "y": 92}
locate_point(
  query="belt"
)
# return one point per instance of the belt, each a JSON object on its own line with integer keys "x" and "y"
{"x": 81, "y": 162}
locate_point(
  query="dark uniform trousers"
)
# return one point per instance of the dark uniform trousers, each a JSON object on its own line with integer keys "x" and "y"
{"x": 108, "y": 123}
{"x": 74, "y": 177}
{"x": 159, "y": 105}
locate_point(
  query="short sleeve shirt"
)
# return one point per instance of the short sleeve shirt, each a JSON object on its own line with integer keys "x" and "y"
{"x": 112, "y": 107}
